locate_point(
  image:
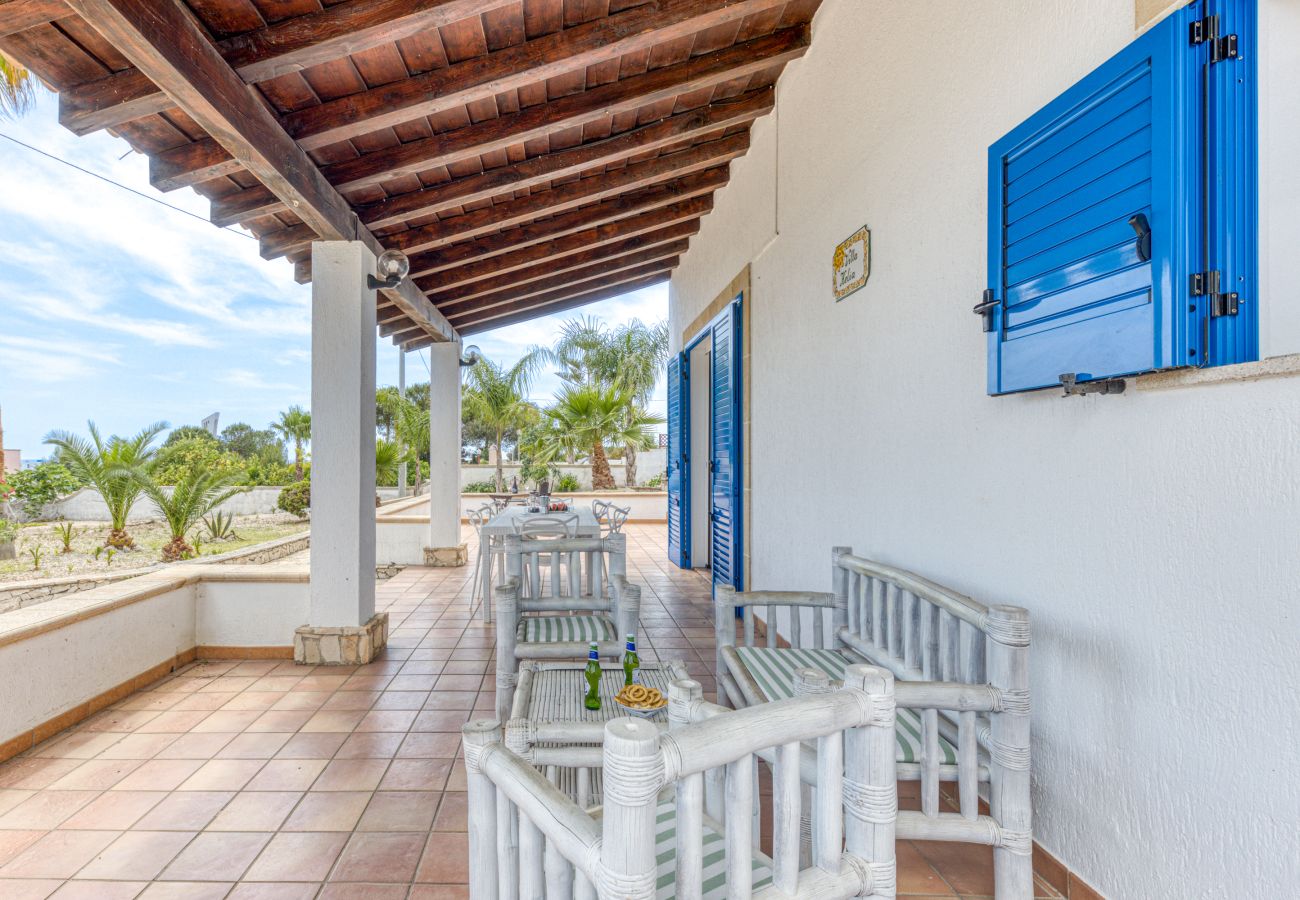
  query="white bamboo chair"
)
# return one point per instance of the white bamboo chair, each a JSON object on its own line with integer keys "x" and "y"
{"x": 962, "y": 692}
{"x": 483, "y": 564}
{"x": 678, "y": 818}
{"x": 560, "y": 626}
{"x": 560, "y": 525}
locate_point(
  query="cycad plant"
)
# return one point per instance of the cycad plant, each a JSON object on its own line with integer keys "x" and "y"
{"x": 497, "y": 398}
{"x": 112, "y": 467}
{"x": 295, "y": 425}
{"x": 589, "y": 417}
{"x": 195, "y": 495}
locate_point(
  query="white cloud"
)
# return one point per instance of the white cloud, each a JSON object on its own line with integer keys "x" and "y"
{"x": 248, "y": 380}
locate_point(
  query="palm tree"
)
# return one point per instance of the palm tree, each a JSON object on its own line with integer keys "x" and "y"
{"x": 110, "y": 467}
{"x": 579, "y": 350}
{"x": 197, "y": 493}
{"x": 411, "y": 422}
{"x": 634, "y": 356}
{"x": 294, "y": 425}
{"x": 589, "y": 417}
{"x": 388, "y": 457}
{"x": 497, "y": 397}
{"x": 17, "y": 88}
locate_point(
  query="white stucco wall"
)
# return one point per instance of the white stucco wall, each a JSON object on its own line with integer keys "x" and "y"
{"x": 1152, "y": 535}
{"x": 85, "y": 505}
{"x": 649, "y": 463}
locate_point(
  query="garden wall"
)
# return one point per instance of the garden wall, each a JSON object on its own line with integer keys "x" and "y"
{"x": 649, "y": 463}
{"x": 85, "y": 505}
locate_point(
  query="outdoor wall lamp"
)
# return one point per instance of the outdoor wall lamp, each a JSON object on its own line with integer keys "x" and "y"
{"x": 392, "y": 267}
{"x": 472, "y": 355}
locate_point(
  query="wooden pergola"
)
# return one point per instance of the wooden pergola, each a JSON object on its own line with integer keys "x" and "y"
{"x": 529, "y": 156}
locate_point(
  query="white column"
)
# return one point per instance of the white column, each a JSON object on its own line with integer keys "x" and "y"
{"x": 342, "y": 435}
{"x": 444, "y": 445}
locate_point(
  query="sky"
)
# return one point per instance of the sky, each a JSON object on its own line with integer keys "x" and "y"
{"x": 117, "y": 309}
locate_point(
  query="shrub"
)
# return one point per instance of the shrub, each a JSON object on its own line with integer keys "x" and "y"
{"x": 9, "y": 531}
{"x": 565, "y": 484}
{"x": 655, "y": 482}
{"x": 480, "y": 487}
{"x": 40, "y": 485}
{"x": 180, "y": 460}
{"x": 295, "y": 499}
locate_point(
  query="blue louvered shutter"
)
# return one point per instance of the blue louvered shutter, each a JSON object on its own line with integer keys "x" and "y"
{"x": 724, "y": 448}
{"x": 1066, "y": 190}
{"x": 679, "y": 540}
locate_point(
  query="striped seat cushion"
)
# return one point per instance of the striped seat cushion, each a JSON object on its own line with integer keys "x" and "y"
{"x": 550, "y": 629}
{"x": 715, "y": 857}
{"x": 773, "y": 669}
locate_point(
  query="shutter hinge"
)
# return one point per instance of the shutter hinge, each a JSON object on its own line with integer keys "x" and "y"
{"x": 986, "y": 308}
{"x": 1073, "y": 387}
{"x": 1206, "y": 284}
{"x": 1206, "y": 31}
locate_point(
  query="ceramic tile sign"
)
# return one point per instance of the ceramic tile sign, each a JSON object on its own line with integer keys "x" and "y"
{"x": 851, "y": 265}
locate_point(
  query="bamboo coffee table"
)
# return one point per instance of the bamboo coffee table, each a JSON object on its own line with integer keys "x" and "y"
{"x": 551, "y": 728}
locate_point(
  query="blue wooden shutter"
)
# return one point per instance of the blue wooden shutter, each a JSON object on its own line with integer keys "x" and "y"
{"x": 679, "y": 473}
{"x": 1076, "y": 294}
{"x": 724, "y": 448}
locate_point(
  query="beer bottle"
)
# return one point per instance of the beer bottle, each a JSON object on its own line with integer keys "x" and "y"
{"x": 631, "y": 662}
{"x": 592, "y": 700}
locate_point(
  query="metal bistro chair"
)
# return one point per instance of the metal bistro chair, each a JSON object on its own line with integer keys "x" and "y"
{"x": 611, "y": 519}
{"x": 553, "y": 526}
{"x": 488, "y": 547}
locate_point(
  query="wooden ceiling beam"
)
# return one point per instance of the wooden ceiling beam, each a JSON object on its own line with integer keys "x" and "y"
{"x": 484, "y": 77}
{"x": 676, "y": 236}
{"x": 665, "y": 254}
{"x": 165, "y": 42}
{"x": 265, "y": 53}
{"x": 543, "y": 203}
{"x": 547, "y": 167}
{"x": 532, "y": 312}
{"x": 705, "y": 182}
{"x": 523, "y": 304}
{"x": 19, "y": 15}
{"x": 635, "y": 232}
{"x": 203, "y": 160}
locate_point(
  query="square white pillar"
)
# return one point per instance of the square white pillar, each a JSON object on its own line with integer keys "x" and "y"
{"x": 445, "y": 547}
{"x": 343, "y": 448}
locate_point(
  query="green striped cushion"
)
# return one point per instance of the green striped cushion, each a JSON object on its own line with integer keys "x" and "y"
{"x": 550, "y": 629}
{"x": 773, "y": 669}
{"x": 715, "y": 857}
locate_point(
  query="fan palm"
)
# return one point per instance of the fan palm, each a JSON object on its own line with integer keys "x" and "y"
{"x": 110, "y": 467}
{"x": 295, "y": 425}
{"x": 634, "y": 356}
{"x": 411, "y": 422}
{"x": 589, "y": 417}
{"x": 497, "y": 398}
{"x": 17, "y": 88}
{"x": 197, "y": 493}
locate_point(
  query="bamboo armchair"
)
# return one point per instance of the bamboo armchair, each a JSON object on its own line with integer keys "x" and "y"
{"x": 962, "y": 690}
{"x": 678, "y": 814}
{"x": 559, "y": 625}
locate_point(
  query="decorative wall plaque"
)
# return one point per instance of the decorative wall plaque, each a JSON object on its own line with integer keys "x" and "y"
{"x": 851, "y": 264}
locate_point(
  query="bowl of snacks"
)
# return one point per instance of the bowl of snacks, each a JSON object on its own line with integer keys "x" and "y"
{"x": 559, "y": 506}
{"x": 641, "y": 701}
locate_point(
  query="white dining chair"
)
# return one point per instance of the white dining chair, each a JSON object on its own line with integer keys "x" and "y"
{"x": 488, "y": 548}
{"x": 550, "y": 526}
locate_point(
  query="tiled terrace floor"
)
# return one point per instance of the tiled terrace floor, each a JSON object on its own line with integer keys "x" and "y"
{"x": 263, "y": 779}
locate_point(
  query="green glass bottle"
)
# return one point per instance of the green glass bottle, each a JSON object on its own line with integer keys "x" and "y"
{"x": 631, "y": 662}
{"x": 592, "y": 700}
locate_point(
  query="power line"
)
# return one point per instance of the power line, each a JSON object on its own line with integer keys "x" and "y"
{"x": 115, "y": 184}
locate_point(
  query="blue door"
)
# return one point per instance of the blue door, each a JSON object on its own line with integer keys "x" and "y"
{"x": 679, "y": 472}
{"x": 725, "y": 449}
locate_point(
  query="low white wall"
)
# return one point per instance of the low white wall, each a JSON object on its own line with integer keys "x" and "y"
{"x": 84, "y": 505}
{"x": 649, "y": 463}
{"x": 401, "y": 543}
{"x": 247, "y": 613}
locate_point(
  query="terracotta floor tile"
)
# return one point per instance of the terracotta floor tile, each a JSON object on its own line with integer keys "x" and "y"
{"x": 58, "y": 855}
{"x": 430, "y": 744}
{"x": 334, "y": 720}
{"x": 398, "y": 720}
{"x": 302, "y": 856}
{"x": 11, "y": 797}
{"x": 916, "y": 875}
{"x": 400, "y": 811}
{"x": 416, "y": 775}
{"x": 227, "y": 720}
{"x": 216, "y": 856}
{"x": 259, "y": 701}
{"x": 451, "y": 812}
{"x": 254, "y": 745}
{"x": 114, "y": 810}
{"x": 319, "y": 682}
{"x": 159, "y": 775}
{"x": 33, "y": 774}
{"x": 968, "y": 868}
{"x": 451, "y": 700}
{"x": 379, "y": 857}
{"x": 376, "y": 745}
{"x": 300, "y": 701}
{"x": 402, "y": 700}
{"x": 78, "y": 745}
{"x": 14, "y": 842}
{"x": 196, "y": 746}
{"x": 267, "y": 891}
{"x": 186, "y": 890}
{"x": 458, "y": 682}
{"x": 99, "y": 890}
{"x": 208, "y": 701}
{"x": 351, "y": 701}
{"x": 46, "y": 809}
{"x": 286, "y": 775}
{"x": 96, "y": 775}
{"x": 136, "y": 855}
{"x": 351, "y": 775}
{"x": 276, "y": 683}
{"x": 256, "y": 811}
{"x": 328, "y": 812}
{"x": 439, "y": 892}
{"x": 138, "y": 746}
{"x": 318, "y": 745}
{"x": 450, "y": 720}
{"x": 176, "y": 721}
{"x": 445, "y": 859}
{"x": 186, "y": 811}
{"x": 287, "y": 721}
{"x": 222, "y": 775}
{"x": 362, "y": 891}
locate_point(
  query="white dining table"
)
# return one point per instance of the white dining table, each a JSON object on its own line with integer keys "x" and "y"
{"x": 507, "y": 522}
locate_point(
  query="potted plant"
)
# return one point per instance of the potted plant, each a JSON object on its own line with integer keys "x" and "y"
{"x": 8, "y": 535}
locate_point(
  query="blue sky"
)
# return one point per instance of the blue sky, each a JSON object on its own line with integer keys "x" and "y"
{"x": 116, "y": 309}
